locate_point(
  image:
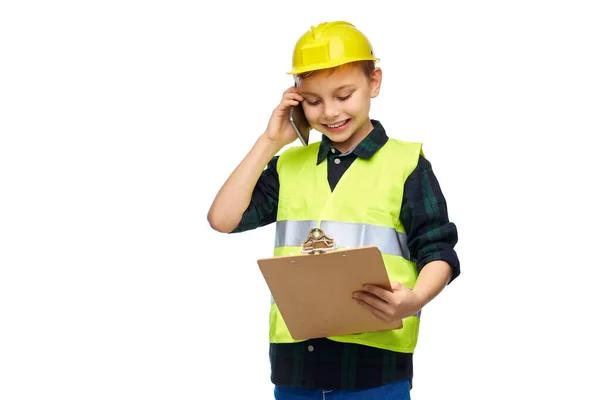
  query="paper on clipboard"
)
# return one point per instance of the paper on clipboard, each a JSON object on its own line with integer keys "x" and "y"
{"x": 313, "y": 290}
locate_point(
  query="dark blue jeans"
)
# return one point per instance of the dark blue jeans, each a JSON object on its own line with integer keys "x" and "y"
{"x": 397, "y": 391}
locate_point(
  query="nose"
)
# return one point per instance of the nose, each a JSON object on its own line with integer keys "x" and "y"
{"x": 330, "y": 111}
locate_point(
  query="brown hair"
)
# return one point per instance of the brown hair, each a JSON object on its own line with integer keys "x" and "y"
{"x": 367, "y": 66}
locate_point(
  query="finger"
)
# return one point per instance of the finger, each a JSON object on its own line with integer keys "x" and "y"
{"x": 383, "y": 294}
{"x": 397, "y": 286}
{"x": 294, "y": 96}
{"x": 286, "y": 104}
{"x": 378, "y": 313}
{"x": 374, "y": 301}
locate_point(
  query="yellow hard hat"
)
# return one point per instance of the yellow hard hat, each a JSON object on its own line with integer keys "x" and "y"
{"x": 328, "y": 45}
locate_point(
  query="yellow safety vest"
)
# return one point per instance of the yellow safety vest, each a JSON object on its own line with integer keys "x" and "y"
{"x": 363, "y": 210}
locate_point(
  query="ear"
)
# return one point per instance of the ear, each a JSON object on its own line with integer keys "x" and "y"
{"x": 375, "y": 82}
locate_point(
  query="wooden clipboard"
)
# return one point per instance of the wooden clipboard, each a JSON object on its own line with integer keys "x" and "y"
{"x": 313, "y": 290}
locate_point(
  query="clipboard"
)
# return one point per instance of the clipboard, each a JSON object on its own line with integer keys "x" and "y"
{"x": 313, "y": 290}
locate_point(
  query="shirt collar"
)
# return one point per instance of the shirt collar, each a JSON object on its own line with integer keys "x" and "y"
{"x": 365, "y": 149}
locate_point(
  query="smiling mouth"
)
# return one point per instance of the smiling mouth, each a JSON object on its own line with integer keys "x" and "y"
{"x": 337, "y": 124}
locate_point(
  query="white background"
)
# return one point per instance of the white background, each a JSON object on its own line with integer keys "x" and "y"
{"x": 119, "y": 121}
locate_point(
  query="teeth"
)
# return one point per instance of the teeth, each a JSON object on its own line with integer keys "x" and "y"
{"x": 336, "y": 125}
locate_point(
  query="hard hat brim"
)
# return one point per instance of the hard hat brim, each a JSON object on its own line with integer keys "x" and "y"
{"x": 319, "y": 67}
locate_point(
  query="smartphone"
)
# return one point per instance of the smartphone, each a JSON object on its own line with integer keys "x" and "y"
{"x": 300, "y": 124}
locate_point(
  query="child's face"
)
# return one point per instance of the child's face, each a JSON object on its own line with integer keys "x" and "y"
{"x": 337, "y": 103}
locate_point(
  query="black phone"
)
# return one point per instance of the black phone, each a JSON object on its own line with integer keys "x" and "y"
{"x": 300, "y": 123}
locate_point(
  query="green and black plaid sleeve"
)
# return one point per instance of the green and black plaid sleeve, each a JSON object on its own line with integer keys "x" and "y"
{"x": 263, "y": 205}
{"x": 424, "y": 214}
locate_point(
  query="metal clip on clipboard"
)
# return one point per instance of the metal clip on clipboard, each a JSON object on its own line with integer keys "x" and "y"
{"x": 317, "y": 242}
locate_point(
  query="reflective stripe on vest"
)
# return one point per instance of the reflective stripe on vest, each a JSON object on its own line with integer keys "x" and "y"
{"x": 345, "y": 234}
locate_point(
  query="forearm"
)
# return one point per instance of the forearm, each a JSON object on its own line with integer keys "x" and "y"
{"x": 234, "y": 196}
{"x": 431, "y": 281}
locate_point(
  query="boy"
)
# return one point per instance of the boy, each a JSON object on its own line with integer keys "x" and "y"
{"x": 376, "y": 190}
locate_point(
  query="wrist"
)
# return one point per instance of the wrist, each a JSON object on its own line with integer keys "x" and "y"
{"x": 269, "y": 145}
{"x": 420, "y": 300}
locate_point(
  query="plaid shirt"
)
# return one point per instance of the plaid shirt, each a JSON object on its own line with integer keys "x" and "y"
{"x": 325, "y": 364}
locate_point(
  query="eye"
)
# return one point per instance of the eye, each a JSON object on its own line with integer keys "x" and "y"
{"x": 312, "y": 103}
{"x": 342, "y": 98}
